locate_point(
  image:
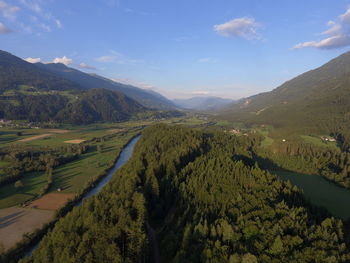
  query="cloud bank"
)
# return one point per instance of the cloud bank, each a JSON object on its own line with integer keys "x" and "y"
{"x": 337, "y": 35}
{"x": 33, "y": 60}
{"x": 63, "y": 60}
{"x": 8, "y": 11}
{"x": 86, "y": 66}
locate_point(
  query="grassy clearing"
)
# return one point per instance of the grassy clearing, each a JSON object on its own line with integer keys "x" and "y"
{"x": 268, "y": 141}
{"x": 33, "y": 182}
{"x": 223, "y": 123}
{"x": 316, "y": 140}
{"x": 321, "y": 192}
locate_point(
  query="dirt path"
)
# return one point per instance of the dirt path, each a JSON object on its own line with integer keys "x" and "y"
{"x": 58, "y": 131}
{"x": 37, "y": 137}
{"x": 75, "y": 141}
{"x": 152, "y": 236}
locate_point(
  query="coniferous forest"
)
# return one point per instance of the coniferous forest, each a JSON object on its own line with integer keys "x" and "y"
{"x": 193, "y": 196}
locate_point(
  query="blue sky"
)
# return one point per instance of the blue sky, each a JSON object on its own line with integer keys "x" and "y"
{"x": 182, "y": 48}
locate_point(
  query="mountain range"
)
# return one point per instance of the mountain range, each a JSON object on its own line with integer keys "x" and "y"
{"x": 147, "y": 98}
{"x": 316, "y": 101}
{"x": 55, "y": 92}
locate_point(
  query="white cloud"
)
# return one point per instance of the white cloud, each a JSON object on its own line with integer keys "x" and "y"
{"x": 26, "y": 28}
{"x": 33, "y": 60}
{"x": 107, "y": 59}
{"x": 134, "y": 83}
{"x": 207, "y": 60}
{"x": 338, "y": 34}
{"x": 244, "y": 27}
{"x": 86, "y": 66}
{"x": 40, "y": 17}
{"x": 33, "y": 5}
{"x": 204, "y": 60}
{"x": 4, "y": 29}
{"x": 117, "y": 58}
{"x": 64, "y": 60}
{"x": 8, "y": 11}
{"x": 45, "y": 27}
{"x": 58, "y": 23}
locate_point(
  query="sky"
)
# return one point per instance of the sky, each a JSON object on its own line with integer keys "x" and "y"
{"x": 182, "y": 48}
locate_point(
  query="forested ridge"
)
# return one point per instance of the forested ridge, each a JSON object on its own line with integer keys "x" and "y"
{"x": 208, "y": 201}
{"x": 90, "y": 106}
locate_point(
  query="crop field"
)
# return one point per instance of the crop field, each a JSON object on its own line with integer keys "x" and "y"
{"x": 15, "y": 222}
{"x": 32, "y": 183}
{"x": 52, "y": 201}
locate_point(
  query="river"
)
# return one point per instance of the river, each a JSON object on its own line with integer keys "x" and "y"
{"x": 123, "y": 158}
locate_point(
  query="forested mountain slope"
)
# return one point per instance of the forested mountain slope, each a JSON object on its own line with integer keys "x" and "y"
{"x": 88, "y": 81}
{"x": 318, "y": 100}
{"x": 207, "y": 201}
{"x": 15, "y": 72}
{"x": 81, "y": 107}
{"x": 56, "y": 93}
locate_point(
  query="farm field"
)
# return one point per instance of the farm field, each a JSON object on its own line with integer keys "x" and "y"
{"x": 70, "y": 177}
{"x": 32, "y": 183}
{"x": 15, "y": 222}
{"x": 51, "y": 201}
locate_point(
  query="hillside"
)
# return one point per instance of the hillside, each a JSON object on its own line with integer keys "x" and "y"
{"x": 147, "y": 98}
{"x": 53, "y": 92}
{"x": 82, "y": 107}
{"x": 316, "y": 101}
{"x": 15, "y": 72}
{"x": 100, "y": 105}
{"x": 202, "y": 103}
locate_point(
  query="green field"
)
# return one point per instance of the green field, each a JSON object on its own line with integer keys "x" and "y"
{"x": 71, "y": 177}
{"x": 267, "y": 141}
{"x": 321, "y": 192}
{"x": 316, "y": 140}
{"x": 33, "y": 182}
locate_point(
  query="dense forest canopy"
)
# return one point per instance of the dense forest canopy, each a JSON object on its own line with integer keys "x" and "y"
{"x": 86, "y": 107}
{"x": 207, "y": 200}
